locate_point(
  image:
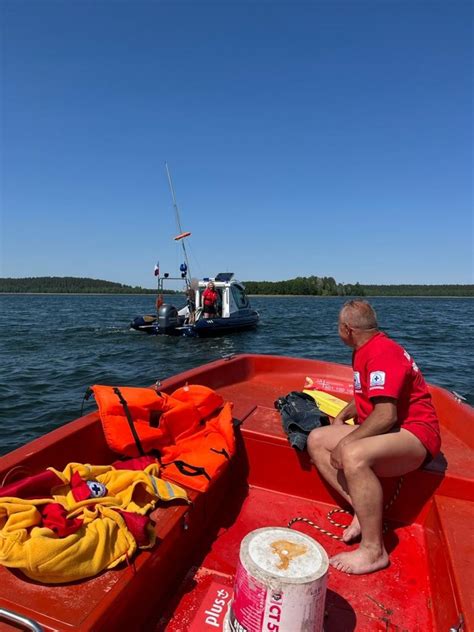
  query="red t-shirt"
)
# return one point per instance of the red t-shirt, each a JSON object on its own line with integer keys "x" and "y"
{"x": 382, "y": 368}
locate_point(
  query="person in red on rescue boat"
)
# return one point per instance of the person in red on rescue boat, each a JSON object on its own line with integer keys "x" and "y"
{"x": 397, "y": 431}
{"x": 209, "y": 299}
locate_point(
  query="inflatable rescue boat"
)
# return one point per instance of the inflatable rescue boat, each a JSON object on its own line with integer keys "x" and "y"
{"x": 233, "y": 311}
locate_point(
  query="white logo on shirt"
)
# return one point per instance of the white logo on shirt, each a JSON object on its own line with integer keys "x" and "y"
{"x": 413, "y": 363}
{"x": 377, "y": 379}
{"x": 357, "y": 384}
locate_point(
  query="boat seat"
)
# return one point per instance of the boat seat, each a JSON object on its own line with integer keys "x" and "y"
{"x": 453, "y": 464}
{"x": 166, "y": 516}
{"x": 267, "y": 444}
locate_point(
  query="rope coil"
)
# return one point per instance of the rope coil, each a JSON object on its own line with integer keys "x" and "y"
{"x": 330, "y": 514}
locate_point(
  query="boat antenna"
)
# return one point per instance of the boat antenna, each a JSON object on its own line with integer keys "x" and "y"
{"x": 181, "y": 236}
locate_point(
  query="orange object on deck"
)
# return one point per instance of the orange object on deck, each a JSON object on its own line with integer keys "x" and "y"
{"x": 191, "y": 429}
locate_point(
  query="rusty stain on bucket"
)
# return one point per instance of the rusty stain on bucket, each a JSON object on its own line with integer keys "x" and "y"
{"x": 287, "y": 551}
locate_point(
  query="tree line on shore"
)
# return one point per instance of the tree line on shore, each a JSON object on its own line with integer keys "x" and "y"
{"x": 305, "y": 286}
{"x": 327, "y": 286}
{"x": 300, "y": 286}
{"x": 67, "y": 285}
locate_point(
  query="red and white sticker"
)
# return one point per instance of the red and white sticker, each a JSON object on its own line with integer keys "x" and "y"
{"x": 213, "y": 608}
{"x": 329, "y": 386}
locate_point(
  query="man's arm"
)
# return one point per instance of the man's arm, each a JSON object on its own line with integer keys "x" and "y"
{"x": 380, "y": 421}
{"x": 348, "y": 412}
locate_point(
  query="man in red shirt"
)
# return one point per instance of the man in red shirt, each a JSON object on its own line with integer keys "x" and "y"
{"x": 397, "y": 431}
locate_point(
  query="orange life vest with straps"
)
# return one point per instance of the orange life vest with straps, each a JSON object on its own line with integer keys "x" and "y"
{"x": 191, "y": 430}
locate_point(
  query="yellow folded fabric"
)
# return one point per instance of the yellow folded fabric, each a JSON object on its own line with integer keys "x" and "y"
{"x": 328, "y": 404}
{"x": 103, "y": 540}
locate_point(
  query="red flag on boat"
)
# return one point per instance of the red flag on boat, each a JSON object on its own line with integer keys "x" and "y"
{"x": 157, "y": 269}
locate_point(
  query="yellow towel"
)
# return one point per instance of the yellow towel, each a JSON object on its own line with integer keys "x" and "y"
{"x": 103, "y": 540}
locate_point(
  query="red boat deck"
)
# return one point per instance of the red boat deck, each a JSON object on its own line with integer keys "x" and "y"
{"x": 413, "y": 594}
{"x": 429, "y": 581}
{"x": 398, "y": 598}
{"x": 426, "y": 587}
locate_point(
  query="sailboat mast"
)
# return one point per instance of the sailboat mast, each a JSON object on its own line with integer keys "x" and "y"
{"x": 178, "y": 223}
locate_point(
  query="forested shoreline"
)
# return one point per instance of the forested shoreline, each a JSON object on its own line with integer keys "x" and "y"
{"x": 300, "y": 286}
{"x": 67, "y": 285}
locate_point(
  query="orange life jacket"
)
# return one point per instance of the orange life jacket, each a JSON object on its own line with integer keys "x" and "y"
{"x": 191, "y": 429}
{"x": 209, "y": 297}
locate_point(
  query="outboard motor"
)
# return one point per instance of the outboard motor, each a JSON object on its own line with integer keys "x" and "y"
{"x": 167, "y": 317}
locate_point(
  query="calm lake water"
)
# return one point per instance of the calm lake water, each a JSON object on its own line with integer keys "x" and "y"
{"x": 53, "y": 347}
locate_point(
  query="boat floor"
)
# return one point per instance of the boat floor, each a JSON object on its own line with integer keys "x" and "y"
{"x": 355, "y": 602}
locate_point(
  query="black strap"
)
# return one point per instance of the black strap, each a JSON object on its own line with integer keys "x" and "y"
{"x": 87, "y": 395}
{"x": 190, "y": 470}
{"x": 155, "y": 416}
{"x": 156, "y": 453}
{"x": 223, "y": 452}
{"x": 130, "y": 421}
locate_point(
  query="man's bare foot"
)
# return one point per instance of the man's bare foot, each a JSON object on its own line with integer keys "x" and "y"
{"x": 360, "y": 561}
{"x": 352, "y": 531}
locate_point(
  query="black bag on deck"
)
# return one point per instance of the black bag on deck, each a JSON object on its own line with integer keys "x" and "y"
{"x": 299, "y": 415}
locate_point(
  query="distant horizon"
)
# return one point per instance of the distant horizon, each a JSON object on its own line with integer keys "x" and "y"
{"x": 243, "y": 281}
{"x": 300, "y": 136}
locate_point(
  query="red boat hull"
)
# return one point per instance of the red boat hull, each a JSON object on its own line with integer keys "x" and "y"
{"x": 426, "y": 587}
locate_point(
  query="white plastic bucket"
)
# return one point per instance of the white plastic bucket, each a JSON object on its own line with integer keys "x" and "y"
{"x": 280, "y": 584}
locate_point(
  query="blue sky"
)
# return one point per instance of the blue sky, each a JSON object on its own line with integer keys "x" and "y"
{"x": 325, "y": 138}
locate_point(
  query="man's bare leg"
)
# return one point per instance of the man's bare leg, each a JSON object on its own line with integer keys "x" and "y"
{"x": 321, "y": 442}
{"x": 367, "y": 498}
{"x": 392, "y": 454}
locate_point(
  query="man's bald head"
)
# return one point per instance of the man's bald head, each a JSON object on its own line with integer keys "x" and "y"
{"x": 358, "y": 314}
